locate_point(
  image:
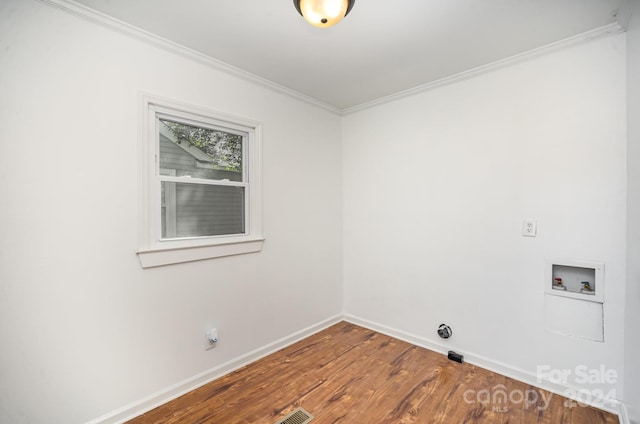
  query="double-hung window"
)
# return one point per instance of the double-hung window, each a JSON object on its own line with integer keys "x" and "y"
{"x": 200, "y": 181}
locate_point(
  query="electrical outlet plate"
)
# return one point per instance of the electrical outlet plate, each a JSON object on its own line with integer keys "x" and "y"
{"x": 207, "y": 343}
{"x": 210, "y": 339}
{"x": 529, "y": 228}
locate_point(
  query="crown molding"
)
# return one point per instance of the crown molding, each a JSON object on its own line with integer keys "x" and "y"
{"x": 100, "y": 18}
{"x": 614, "y": 28}
{"x": 107, "y": 21}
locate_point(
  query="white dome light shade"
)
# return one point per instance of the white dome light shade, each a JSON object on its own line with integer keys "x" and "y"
{"x": 323, "y": 13}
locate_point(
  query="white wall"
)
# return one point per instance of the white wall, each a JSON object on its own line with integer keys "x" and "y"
{"x": 436, "y": 186}
{"x": 632, "y": 341}
{"x": 435, "y": 189}
{"x": 84, "y": 329}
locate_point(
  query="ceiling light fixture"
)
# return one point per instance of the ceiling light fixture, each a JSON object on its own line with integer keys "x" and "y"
{"x": 323, "y": 13}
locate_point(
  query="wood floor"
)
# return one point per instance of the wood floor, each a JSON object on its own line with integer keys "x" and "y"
{"x": 348, "y": 374}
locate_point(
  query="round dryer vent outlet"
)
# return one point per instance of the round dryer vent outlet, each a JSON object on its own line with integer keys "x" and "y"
{"x": 445, "y": 331}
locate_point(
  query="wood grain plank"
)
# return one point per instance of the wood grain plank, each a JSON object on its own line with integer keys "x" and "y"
{"x": 349, "y": 374}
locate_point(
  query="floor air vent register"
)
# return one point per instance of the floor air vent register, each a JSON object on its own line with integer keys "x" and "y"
{"x": 299, "y": 416}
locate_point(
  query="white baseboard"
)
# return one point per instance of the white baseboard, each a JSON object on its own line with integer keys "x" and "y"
{"x": 623, "y": 415}
{"x": 615, "y": 407}
{"x": 139, "y": 407}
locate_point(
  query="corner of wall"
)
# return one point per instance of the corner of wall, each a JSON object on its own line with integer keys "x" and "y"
{"x": 631, "y": 377}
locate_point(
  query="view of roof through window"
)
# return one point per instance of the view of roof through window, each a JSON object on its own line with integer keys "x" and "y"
{"x": 224, "y": 149}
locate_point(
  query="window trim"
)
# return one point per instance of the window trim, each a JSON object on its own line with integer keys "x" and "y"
{"x": 152, "y": 249}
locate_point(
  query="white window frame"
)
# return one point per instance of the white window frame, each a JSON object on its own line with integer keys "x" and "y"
{"x": 153, "y": 250}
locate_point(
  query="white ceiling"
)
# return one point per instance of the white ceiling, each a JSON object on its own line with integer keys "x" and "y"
{"x": 381, "y": 48}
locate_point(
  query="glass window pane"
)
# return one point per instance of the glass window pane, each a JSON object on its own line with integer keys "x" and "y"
{"x": 195, "y": 210}
{"x": 199, "y": 152}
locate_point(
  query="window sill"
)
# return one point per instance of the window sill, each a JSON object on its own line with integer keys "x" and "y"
{"x": 159, "y": 257}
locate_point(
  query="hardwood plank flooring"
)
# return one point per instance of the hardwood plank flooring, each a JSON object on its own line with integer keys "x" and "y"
{"x": 348, "y": 374}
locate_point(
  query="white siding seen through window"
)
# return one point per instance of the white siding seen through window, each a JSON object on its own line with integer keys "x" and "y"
{"x": 201, "y": 184}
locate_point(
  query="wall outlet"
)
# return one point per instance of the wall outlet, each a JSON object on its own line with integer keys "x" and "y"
{"x": 210, "y": 338}
{"x": 529, "y": 228}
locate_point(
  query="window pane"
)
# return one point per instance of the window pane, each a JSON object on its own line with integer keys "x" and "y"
{"x": 199, "y": 152}
{"x": 194, "y": 210}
